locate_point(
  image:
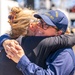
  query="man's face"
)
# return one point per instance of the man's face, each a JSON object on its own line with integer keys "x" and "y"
{"x": 42, "y": 29}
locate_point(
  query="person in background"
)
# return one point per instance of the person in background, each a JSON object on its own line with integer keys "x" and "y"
{"x": 52, "y": 23}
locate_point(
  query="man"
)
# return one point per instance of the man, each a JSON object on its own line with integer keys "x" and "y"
{"x": 61, "y": 62}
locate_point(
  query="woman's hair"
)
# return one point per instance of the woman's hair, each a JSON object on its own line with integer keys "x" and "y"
{"x": 19, "y": 20}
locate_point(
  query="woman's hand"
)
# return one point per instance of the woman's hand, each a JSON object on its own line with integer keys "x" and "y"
{"x": 10, "y": 43}
{"x": 15, "y": 56}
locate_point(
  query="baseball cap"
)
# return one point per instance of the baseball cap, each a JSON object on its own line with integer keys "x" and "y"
{"x": 54, "y": 18}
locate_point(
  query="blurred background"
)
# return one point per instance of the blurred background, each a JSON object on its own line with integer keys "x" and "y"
{"x": 67, "y": 6}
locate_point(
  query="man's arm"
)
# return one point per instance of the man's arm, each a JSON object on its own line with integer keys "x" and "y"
{"x": 55, "y": 64}
{"x": 29, "y": 68}
{"x": 6, "y": 39}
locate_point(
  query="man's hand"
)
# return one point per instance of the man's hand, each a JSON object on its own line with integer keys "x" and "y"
{"x": 15, "y": 56}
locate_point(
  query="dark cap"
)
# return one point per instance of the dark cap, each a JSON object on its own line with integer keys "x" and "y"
{"x": 54, "y": 18}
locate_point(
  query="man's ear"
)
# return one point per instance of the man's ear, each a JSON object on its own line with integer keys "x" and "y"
{"x": 59, "y": 32}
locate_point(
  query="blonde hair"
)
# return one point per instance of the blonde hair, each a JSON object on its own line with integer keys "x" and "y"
{"x": 19, "y": 19}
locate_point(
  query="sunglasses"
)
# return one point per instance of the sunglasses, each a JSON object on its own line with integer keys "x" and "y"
{"x": 45, "y": 26}
{"x": 10, "y": 17}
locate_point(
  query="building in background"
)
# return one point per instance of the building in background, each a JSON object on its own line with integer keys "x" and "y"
{"x": 41, "y": 4}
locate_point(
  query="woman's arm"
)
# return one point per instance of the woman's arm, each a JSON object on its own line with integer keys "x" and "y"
{"x": 6, "y": 39}
{"x": 52, "y": 44}
{"x": 2, "y": 39}
{"x": 58, "y": 41}
{"x": 71, "y": 40}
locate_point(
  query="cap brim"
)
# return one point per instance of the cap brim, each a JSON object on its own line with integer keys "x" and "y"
{"x": 45, "y": 18}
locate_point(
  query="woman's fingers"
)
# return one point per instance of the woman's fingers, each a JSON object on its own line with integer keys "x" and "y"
{"x": 13, "y": 43}
{"x": 16, "y": 42}
{"x": 18, "y": 47}
{"x": 9, "y": 56}
{"x": 11, "y": 49}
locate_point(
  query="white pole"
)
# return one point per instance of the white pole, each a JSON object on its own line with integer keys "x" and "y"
{"x": 48, "y": 4}
{"x": 4, "y": 26}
